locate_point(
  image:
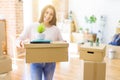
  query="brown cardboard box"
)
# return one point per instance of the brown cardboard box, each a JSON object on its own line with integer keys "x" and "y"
{"x": 92, "y": 53}
{"x": 5, "y": 64}
{"x": 5, "y": 76}
{"x": 93, "y": 70}
{"x": 53, "y": 52}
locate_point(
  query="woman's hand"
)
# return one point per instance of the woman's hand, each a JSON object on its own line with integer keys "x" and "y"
{"x": 21, "y": 44}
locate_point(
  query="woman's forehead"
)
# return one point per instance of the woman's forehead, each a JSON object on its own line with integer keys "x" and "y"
{"x": 50, "y": 10}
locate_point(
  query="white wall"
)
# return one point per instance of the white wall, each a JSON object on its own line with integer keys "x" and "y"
{"x": 27, "y": 12}
{"x": 108, "y": 8}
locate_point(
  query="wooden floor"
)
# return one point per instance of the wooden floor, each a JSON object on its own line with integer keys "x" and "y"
{"x": 70, "y": 70}
{"x": 66, "y": 70}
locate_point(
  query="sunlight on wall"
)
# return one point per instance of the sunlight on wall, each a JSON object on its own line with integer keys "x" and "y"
{"x": 27, "y": 12}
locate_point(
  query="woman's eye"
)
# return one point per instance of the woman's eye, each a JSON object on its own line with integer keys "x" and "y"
{"x": 51, "y": 14}
{"x": 46, "y": 13}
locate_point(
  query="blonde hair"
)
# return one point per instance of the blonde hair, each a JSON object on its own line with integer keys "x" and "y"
{"x": 53, "y": 21}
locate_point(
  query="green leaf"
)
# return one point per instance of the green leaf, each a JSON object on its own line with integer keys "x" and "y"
{"x": 91, "y": 19}
{"x": 41, "y": 28}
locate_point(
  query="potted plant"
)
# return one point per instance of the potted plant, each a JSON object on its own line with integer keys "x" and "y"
{"x": 91, "y": 20}
{"x": 80, "y": 29}
{"x": 40, "y": 30}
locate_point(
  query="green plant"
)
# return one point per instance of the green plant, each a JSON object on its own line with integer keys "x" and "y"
{"x": 80, "y": 28}
{"x": 118, "y": 21}
{"x": 41, "y": 28}
{"x": 91, "y": 19}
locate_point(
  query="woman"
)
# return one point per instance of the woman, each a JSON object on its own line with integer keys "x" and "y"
{"x": 48, "y": 18}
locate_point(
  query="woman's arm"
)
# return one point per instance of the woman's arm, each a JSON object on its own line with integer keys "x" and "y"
{"x": 23, "y": 36}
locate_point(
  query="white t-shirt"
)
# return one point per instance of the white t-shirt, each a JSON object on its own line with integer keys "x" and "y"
{"x": 30, "y": 33}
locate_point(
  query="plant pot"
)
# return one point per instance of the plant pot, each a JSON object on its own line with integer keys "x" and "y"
{"x": 41, "y": 36}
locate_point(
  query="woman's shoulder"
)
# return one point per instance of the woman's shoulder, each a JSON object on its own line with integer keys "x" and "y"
{"x": 55, "y": 27}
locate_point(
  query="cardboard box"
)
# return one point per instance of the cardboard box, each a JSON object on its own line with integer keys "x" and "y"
{"x": 53, "y": 52}
{"x": 92, "y": 53}
{"x": 5, "y": 64}
{"x": 93, "y": 70}
{"x": 5, "y": 76}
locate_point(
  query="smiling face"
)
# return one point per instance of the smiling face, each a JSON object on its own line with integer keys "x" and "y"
{"x": 48, "y": 15}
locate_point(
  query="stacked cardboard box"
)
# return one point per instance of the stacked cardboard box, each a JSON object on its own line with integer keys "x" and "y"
{"x": 93, "y": 70}
{"x": 92, "y": 53}
{"x": 5, "y": 76}
{"x": 93, "y": 65}
{"x": 5, "y": 64}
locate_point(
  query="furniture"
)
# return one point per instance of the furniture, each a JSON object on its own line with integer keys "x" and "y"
{"x": 49, "y": 52}
{"x": 90, "y": 37}
{"x": 83, "y": 37}
{"x": 113, "y": 47}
